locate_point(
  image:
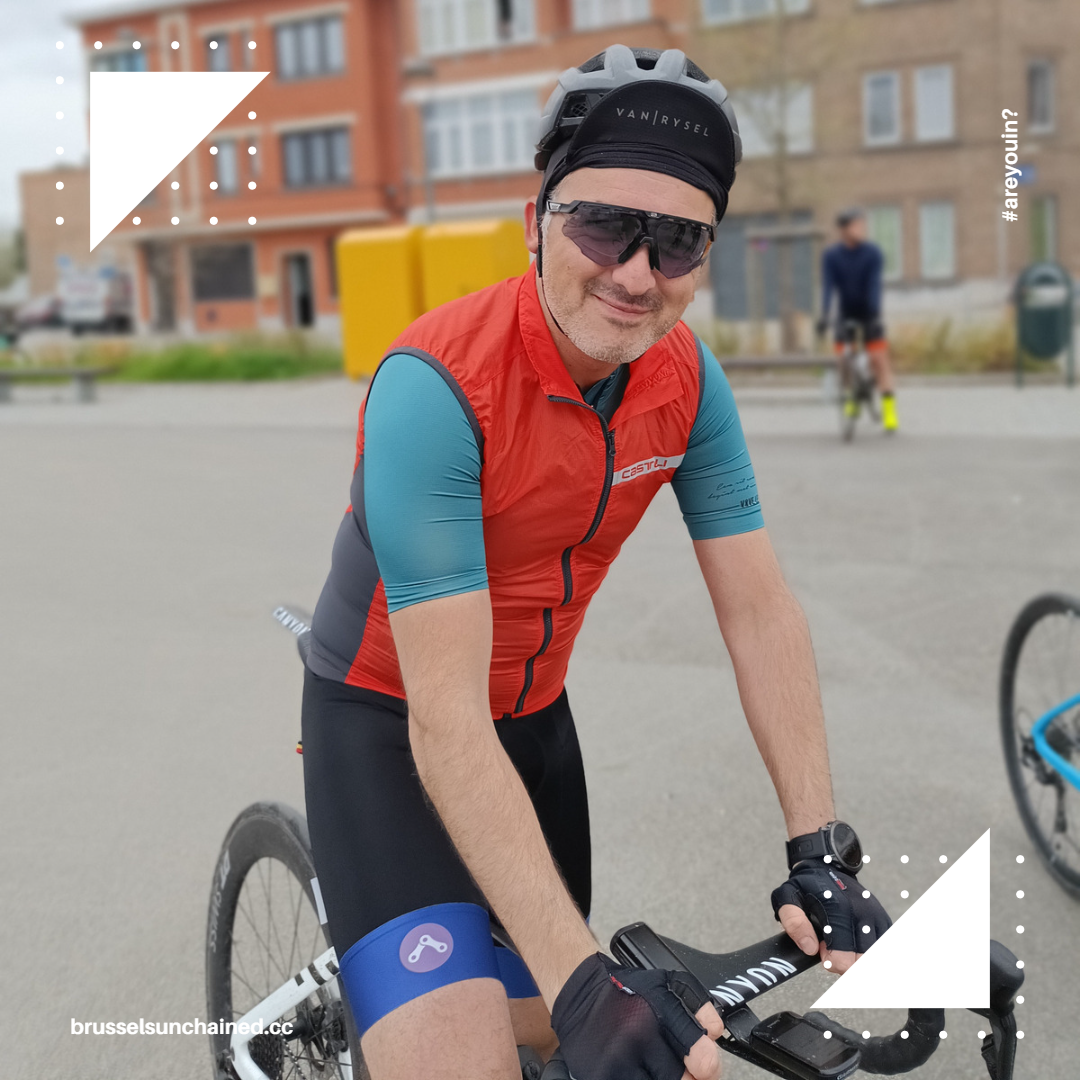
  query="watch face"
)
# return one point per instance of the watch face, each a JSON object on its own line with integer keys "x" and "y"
{"x": 845, "y": 845}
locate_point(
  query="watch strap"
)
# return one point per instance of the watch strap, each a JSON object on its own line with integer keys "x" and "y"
{"x": 808, "y": 846}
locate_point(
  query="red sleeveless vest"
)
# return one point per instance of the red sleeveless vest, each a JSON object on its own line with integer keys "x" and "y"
{"x": 561, "y": 489}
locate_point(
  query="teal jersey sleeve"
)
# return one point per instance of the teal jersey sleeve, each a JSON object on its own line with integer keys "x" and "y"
{"x": 715, "y": 483}
{"x": 421, "y": 485}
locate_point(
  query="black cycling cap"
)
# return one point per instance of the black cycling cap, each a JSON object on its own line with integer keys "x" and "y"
{"x": 641, "y": 109}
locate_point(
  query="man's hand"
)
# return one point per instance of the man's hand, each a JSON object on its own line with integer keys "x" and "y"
{"x": 818, "y": 902}
{"x": 620, "y": 1023}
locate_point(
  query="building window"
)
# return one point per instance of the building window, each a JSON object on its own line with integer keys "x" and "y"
{"x": 309, "y": 48}
{"x": 1040, "y": 92}
{"x": 223, "y": 272}
{"x": 481, "y": 133}
{"x": 761, "y": 126}
{"x": 884, "y": 224}
{"x": 226, "y": 167}
{"x": 217, "y": 53}
{"x": 129, "y": 60}
{"x": 716, "y": 12}
{"x": 317, "y": 158}
{"x": 934, "y": 103}
{"x": 1043, "y": 218}
{"x": 592, "y": 13}
{"x": 881, "y": 108}
{"x": 449, "y": 26}
{"x": 937, "y": 241}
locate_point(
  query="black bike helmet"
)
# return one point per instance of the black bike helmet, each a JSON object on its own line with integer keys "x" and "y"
{"x": 643, "y": 109}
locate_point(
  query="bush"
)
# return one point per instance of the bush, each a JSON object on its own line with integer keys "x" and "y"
{"x": 943, "y": 349}
{"x": 244, "y": 357}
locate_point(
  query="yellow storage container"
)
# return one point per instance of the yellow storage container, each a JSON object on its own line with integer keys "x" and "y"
{"x": 463, "y": 256}
{"x": 379, "y": 291}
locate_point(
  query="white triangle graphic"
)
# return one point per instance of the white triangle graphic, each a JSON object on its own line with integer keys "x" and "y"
{"x": 143, "y": 123}
{"x": 936, "y": 955}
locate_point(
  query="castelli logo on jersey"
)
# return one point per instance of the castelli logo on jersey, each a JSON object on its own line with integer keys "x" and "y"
{"x": 656, "y": 117}
{"x": 425, "y": 947}
{"x": 649, "y": 465}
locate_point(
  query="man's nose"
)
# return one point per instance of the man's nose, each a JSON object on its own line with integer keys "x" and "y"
{"x": 635, "y": 275}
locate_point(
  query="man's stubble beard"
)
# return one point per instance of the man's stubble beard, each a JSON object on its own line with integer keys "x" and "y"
{"x": 582, "y": 329}
{"x": 599, "y": 339}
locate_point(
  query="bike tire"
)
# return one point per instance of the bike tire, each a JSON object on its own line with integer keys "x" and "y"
{"x": 847, "y": 421}
{"x": 1024, "y": 696}
{"x": 267, "y": 848}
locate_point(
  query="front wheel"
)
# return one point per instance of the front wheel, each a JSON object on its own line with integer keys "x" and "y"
{"x": 1039, "y": 671}
{"x": 263, "y": 928}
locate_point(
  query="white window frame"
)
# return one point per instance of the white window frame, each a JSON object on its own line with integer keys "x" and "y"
{"x": 1036, "y": 127}
{"x": 931, "y": 231}
{"x": 227, "y": 151}
{"x": 446, "y": 27}
{"x": 592, "y": 14}
{"x": 726, "y": 12}
{"x": 758, "y": 114}
{"x": 874, "y": 214}
{"x": 926, "y": 107}
{"x": 512, "y": 132}
{"x": 882, "y": 140}
{"x": 303, "y": 33}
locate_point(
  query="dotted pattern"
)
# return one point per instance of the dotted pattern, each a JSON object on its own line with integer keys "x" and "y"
{"x": 252, "y": 150}
{"x": 904, "y": 894}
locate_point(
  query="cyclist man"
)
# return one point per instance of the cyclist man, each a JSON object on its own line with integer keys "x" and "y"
{"x": 852, "y": 269}
{"x": 509, "y": 443}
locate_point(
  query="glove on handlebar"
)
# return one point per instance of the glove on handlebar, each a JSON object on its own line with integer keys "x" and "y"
{"x": 834, "y": 899}
{"x": 620, "y": 1023}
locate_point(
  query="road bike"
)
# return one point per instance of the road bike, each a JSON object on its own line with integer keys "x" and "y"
{"x": 1040, "y": 729}
{"x": 858, "y": 384}
{"x": 272, "y": 985}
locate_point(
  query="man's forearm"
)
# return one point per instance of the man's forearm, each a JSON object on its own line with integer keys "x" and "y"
{"x": 777, "y": 677}
{"x": 489, "y": 816}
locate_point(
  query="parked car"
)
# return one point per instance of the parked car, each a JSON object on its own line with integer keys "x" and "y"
{"x": 95, "y": 298}
{"x": 40, "y": 311}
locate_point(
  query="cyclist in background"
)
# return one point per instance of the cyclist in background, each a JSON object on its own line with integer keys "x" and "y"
{"x": 852, "y": 270}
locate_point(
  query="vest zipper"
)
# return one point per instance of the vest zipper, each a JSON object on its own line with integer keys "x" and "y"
{"x": 568, "y": 580}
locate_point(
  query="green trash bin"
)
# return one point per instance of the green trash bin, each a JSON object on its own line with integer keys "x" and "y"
{"x": 1044, "y": 316}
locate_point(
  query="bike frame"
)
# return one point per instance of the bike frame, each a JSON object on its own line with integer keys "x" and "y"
{"x": 1052, "y": 758}
{"x": 322, "y": 970}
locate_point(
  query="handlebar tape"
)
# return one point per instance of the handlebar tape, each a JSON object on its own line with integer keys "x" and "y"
{"x": 891, "y": 1054}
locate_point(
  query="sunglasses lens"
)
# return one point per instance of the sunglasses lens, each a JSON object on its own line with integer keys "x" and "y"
{"x": 601, "y": 234}
{"x": 680, "y": 246}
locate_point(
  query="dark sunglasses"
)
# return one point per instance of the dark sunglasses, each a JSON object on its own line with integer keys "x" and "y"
{"x": 611, "y": 234}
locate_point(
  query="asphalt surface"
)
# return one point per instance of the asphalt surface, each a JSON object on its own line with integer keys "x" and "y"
{"x": 147, "y": 696}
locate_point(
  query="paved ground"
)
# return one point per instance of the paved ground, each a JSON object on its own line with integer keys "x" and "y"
{"x": 147, "y": 696}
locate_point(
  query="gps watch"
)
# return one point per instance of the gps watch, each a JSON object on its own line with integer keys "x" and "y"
{"x": 837, "y": 839}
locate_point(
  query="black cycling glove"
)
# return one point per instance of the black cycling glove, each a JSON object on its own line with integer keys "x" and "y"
{"x": 835, "y": 900}
{"x": 620, "y": 1023}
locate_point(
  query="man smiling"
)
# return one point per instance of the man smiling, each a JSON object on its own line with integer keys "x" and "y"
{"x": 509, "y": 444}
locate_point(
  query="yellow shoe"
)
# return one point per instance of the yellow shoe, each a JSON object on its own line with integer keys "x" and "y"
{"x": 851, "y": 408}
{"x": 889, "y": 419}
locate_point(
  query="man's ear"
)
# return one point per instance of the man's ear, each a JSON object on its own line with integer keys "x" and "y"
{"x": 532, "y": 227}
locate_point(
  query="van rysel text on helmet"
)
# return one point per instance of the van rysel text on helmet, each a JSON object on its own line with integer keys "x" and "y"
{"x": 657, "y": 117}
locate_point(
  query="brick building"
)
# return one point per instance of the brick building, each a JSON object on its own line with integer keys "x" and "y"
{"x": 374, "y": 111}
{"x": 319, "y": 155}
{"x": 62, "y": 192}
{"x": 386, "y": 110}
{"x": 897, "y": 105}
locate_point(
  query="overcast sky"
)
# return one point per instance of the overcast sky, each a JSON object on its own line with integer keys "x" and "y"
{"x": 29, "y": 65}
